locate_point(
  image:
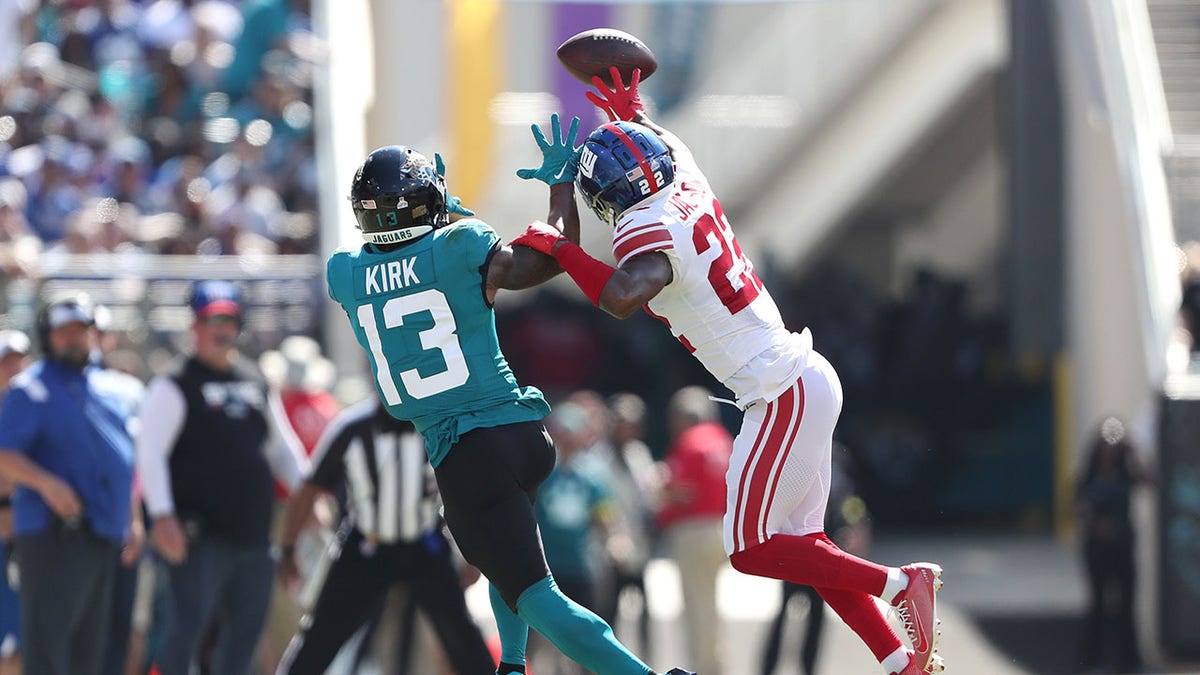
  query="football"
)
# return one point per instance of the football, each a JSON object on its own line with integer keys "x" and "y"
{"x": 593, "y": 51}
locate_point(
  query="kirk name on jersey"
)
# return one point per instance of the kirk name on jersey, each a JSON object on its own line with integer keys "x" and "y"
{"x": 386, "y": 277}
{"x": 390, "y": 276}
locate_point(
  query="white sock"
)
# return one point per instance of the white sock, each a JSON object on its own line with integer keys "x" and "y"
{"x": 897, "y": 660}
{"x": 897, "y": 581}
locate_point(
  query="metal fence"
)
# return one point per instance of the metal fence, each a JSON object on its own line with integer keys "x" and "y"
{"x": 148, "y": 297}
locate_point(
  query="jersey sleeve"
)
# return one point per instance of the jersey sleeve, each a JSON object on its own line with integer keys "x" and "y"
{"x": 19, "y": 420}
{"x": 471, "y": 240}
{"x": 635, "y": 236}
{"x": 284, "y": 451}
{"x": 337, "y": 273}
{"x": 164, "y": 411}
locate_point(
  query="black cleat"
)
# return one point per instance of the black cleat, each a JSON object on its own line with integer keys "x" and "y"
{"x": 679, "y": 671}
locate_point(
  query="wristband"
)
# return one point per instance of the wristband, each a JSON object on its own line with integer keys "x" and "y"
{"x": 589, "y": 274}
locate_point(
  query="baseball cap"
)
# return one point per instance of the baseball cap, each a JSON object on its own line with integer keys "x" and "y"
{"x": 210, "y": 298}
{"x": 103, "y": 318}
{"x": 13, "y": 342}
{"x": 71, "y": 310}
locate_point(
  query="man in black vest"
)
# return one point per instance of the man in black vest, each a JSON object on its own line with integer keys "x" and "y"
{"x": 209, "y": 446}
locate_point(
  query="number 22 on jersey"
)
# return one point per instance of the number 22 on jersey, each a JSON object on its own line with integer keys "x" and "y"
{"x": 730, "y": 274}
{"x": 442, "y": 336}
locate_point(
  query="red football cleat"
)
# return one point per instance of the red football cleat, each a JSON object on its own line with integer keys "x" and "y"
{"x": 917, "y": 609}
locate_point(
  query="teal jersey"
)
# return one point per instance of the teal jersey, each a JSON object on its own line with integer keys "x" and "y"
{"x": 420, "y": 313}
{"x": 567, "y": 510}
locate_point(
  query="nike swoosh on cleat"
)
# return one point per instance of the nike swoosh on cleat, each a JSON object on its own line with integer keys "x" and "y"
{"x": 923, "y": 646}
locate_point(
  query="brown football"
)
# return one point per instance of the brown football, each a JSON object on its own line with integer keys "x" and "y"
{"x": 593, "y": 51}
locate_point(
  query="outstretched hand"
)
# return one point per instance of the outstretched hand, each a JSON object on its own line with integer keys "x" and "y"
{"x": 619, "y": 102}
{"x": 453, "y": 204}
{"x": 560, "y": 158}
{"x": 540, "y": 237}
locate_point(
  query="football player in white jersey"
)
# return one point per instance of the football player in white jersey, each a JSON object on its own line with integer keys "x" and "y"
{"x": 678, "y": 258}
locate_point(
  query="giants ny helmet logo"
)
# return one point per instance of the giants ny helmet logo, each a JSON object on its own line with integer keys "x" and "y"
{"x": 587, "y": 162}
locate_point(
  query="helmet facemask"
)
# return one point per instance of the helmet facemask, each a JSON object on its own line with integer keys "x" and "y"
{"x": 604, "y": 208}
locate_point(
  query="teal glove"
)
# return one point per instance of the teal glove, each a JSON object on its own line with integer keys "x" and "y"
{"x": 560, "y": 159}
{"x": 453, "y": 204}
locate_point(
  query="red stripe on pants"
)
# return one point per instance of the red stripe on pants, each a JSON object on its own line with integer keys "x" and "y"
{"x": 768, "y": 419}
{"x": 787, "y": 448}
{"x": 762, "y": 459}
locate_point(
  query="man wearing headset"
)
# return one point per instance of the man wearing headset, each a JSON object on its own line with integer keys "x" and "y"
{"x": 65, "y": 439}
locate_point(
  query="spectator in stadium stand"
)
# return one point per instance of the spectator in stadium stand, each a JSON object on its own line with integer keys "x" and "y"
{"x": 264, "y": 22}
{"x": 19, "y": 247}
{"x": 157, "y": 101}
{"x": 52, "y": 195}
{"x": 206, "y": 455}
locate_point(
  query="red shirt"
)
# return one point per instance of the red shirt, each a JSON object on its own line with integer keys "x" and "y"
{"x": 308, "y": 412}
{"x": 696, "y": 462}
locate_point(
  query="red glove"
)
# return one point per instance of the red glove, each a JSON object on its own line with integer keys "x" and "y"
{"x": 540, "y": 237}
{"x": 618, "y": 103}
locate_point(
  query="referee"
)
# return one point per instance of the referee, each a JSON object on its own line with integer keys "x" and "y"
{"x": 392, "y": 533}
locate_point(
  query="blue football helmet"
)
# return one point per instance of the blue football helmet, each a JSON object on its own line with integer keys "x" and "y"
{"x": 397, "y": 196}
{"x": 620, "y": 165}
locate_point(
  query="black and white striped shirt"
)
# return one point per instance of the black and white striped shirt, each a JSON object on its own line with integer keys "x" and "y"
{"x": 391, "y": 493}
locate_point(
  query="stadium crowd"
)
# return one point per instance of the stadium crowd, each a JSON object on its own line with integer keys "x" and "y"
{"x": 164, "y": 126}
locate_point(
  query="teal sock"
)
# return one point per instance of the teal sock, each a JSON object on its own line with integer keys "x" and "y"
{"x": 577, "y": 632}
{"x": 514, "y": 632}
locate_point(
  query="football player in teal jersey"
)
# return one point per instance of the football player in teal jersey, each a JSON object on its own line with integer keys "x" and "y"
{"x": 419, "y": 297}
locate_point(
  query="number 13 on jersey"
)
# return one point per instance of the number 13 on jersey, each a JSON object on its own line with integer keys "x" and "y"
{"x": 442, "y": 337}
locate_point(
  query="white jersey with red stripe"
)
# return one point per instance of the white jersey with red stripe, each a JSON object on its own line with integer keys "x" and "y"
{"x": 715, "y": 304}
